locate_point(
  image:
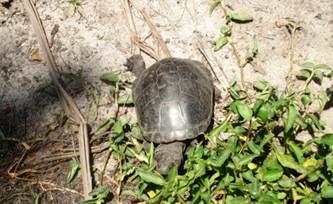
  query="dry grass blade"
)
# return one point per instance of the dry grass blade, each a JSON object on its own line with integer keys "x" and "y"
{"x": 130, "y": 23}
{"x": 211, "y": 59}
{"x": 68, "y": 103}
{"x": 136, "y": 42}
{"x": 156, "y": 34}
{"x": 144, "y": 47}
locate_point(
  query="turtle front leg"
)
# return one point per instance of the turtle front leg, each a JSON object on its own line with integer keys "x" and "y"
{"x": 168, "y": 156}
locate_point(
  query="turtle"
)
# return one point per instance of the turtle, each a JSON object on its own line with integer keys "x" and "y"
{"x": 173, "y": 100}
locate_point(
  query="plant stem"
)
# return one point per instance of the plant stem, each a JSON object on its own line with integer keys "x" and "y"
{"x": 319, "y": 165}
{"x": 308, "y": 80}
{"x": 234, "y": 50}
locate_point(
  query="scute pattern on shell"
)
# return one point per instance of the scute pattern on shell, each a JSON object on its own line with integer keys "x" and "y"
{"x": 174, "y": 100}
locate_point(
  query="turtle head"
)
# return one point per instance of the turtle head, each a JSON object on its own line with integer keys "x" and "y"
{"x": 168, "y": 156}
{"x": 136, "y": 65}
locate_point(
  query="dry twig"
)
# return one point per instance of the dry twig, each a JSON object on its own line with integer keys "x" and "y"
{"x": 292, "y": 26}
{"x": 156, "y": 34}
{"x": 210, "y": 58}
{"x": 135, "y": 39}
{"x": 69, "y": 105}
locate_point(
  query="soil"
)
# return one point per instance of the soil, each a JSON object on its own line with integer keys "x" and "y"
{"x": 95, "y": 39}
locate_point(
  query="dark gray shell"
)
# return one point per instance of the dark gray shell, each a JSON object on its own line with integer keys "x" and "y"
{"x": 174, "y": 100}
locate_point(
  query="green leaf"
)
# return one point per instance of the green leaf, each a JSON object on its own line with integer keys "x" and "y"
{"x": 322, "y": 67}
{"x": 151, "y": 177}
{"x": 271, "y": 162}
{"x": 267, "y": 138}
{"x": 247, "y": 159}
{"x": 240, "y": 17}
{"x": 265, "y": 112}
{"x": 286, "y": 182}
{"x": 268, "y": 199}
{"x": 75, "y": 167}
{"x": 292, "y": 114}
{"x": 110, "y": 78}
{"x": 304, "y": 74}
{"x": 225, "y": 30}
{"x": 237, "y": 200}
{"x": 327, "y": 192}
{"x": 172, "y": 174}
{"x": 117, "y": 127}
{"x": 233, "y": 91}
{"x": 226, "y": 153}
{"x": 217, "y": 130}
{"x": 297, "y": 151}
{"x": 125, "y": 100}
{"x": 318, "y": 76}
{"x": 329, "y": 162}
{"x": 215, "y": 4}
{"x": 250, "y": 55}
{"x": 306, "y": 100}
{"x": 313, "y": 176}
{"x": 272, "y": 175}
{"x": 248, "y": 175}
{"x": 136, "y": 132}
{"x": 323, "y": 99}
{"x": 99, "y": 194}
{"x": 105, "y": 126}
{"x": 243, "y": 110}
{"x": 281, "y": 195}
{"x": 37, "y": 198}
{"x": 220, "y": 42}
{"x": 327, "y": 139}
{"x": 289, "y": 162}
{"x": 308, "y": 65}
{"x": 254, "y": 148}
{"x": 261, "y": 85}
{"x": 213, "y": 179}
{"x": 311, "y": 198}
{"x": 315, "y": 121}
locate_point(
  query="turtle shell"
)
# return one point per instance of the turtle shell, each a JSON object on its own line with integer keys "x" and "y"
{"x": 174, "y": 100}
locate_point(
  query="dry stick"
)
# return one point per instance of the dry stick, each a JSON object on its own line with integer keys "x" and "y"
{"x": 204, "y": 54}
{"x": 203, "y": 51}
{"x": 291, "y": 55}
{"x": 70, "y": 153}
{"x": 144, "y": 47}
{"x": 304, "y": 175}
{"x": 156, "y": 34}
{"x": 292, "y": 28}
{"x": 68, "y": 104}
{"x": 130, "y": 23}
{"x": 292, "y": 50}
{"x": 59, "y": 157}
{"x": 135, "y": 39}
{"x": 58, "y": 187}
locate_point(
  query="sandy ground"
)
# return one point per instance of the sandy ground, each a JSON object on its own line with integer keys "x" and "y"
{"x": 98, "y": 41}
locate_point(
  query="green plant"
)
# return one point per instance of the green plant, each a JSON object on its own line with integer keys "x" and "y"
{"x": 75, "y": 168}
{"x": 261, "y": 161}
{"x": 99, "y": 196}
{"x": 225, "y": 37}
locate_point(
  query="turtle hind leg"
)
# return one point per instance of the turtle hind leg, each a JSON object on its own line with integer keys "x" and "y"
{"x": 168, "y": 156}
